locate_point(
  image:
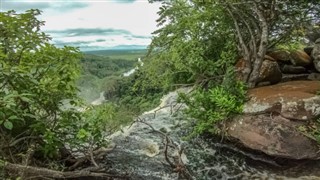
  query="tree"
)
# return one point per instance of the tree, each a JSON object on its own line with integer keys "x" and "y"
{"x": 39, "y": 123}
{"x": 261, "y": 25}
{"x": 199, "y": 42}
{"x": 190, "y": 44}
{"x": 196, "y": 31}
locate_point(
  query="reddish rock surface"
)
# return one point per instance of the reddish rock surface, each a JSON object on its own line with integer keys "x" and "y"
{"x": 272, "y": 117}
{"x": 300, "y": 58}
{"x": 294, "y": 99}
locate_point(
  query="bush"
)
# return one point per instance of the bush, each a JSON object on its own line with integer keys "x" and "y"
{"x": 37, "y": 83}
{"x": 214, "y": 105}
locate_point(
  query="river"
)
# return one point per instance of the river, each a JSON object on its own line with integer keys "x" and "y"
{"x": 139, "y": 150}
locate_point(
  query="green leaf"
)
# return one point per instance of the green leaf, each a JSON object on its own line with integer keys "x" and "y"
{"x": 13, "y": 117}
{"x": 8, "y": 125}
{"x": 25, "y": 99}
{"x": 82, "y": 134}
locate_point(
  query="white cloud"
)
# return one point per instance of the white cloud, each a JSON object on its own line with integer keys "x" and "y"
{"x": 137, "y": 17}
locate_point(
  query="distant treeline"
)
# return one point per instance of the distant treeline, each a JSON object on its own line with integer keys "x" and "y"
{"x": 103, "y": 66}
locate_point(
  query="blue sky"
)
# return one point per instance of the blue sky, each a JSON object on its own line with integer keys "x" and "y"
{"x": 94, "y": 24}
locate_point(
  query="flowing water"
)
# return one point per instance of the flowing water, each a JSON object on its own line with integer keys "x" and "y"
{"x": 139, "y": 152}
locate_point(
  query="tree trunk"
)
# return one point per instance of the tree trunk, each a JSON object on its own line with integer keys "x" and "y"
{"x": 261, "y": 50}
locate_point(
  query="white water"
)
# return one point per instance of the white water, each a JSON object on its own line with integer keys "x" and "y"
{"x": 128, "y": 73}
{"x": 99, "y": 100}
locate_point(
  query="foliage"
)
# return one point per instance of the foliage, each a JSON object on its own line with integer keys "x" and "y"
{"x": 102, "y": 66}
{"x": 216, "y": 104}
{"x": 36, "y": 78}
{"x": 313, "y": 33}
{"x": 39, "y": 113}
{"x": 197, "y": 42}
{"x": 187, "y": 46}
{"x": 91, "y": 131}
{"x": 291, "y": 46}
{"x": 311, "y": 130}
{"x": 137, "y": 97}
{"x": 124, "y": 54}
{"x": 195, "y": 46}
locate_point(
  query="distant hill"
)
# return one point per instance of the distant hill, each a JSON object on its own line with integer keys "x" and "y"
{"x": 129, "y": 54}
{"x": 115, "y": 51}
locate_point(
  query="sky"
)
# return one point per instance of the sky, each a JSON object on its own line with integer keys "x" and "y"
{"x": 94, "y": 24}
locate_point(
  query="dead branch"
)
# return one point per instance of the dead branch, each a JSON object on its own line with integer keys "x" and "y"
{"x": 96, "y": 154}
{"x": 31, "y": 171}
{"x": 177, "y": 164}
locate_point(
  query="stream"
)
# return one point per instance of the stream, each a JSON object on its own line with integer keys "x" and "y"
{"x": 139, "y": 151}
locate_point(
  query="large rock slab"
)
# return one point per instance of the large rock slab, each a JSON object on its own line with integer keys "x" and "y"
{"x": 272, "y": 118}
{"x": 273, "y": 135}
{"x": 296, "y": 100}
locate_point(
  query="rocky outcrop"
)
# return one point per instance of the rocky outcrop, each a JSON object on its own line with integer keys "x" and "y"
{"x": 316, "y": 55}
{"x": 314, "y": 76}
{"x": 273, "y": 135}
{"x": 272, "y": 117}
{"x": 296, "y": 100}
{"x": 139, "y": 148}
{"x": 300, "y": 58}
{"x": 270, "y": 72}
{"x": 280, "y": 55}
{"x": 292, "y": 69}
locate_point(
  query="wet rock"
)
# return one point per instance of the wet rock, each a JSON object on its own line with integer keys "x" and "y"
{"x": 140, "y": 150}
{"x": 273, "y": 135}
{"x": 300, "y": 58}
{"x": 270, "y": 72}
{"x": 280, "y": 55}
{"x": 291, "y": 69}
{"x": 316, "y": 55}
{"x": 295, "y": 100}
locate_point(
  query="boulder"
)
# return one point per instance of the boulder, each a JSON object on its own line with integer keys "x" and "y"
{"x": 269, "y": 72}
{"x": 316, "y": 55}
{"x": 294, "y": 100}
{"x": 272, "y": 117}
{"x": 314, "y": 76}
{"x": 280, "y": 55}
{"x": 308, "y": 50}
{"x": 291, "y": 69}
{"x": 300, "y": 58}
{"x": 273, "y": 135}
{"x": 294, "y": 77}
